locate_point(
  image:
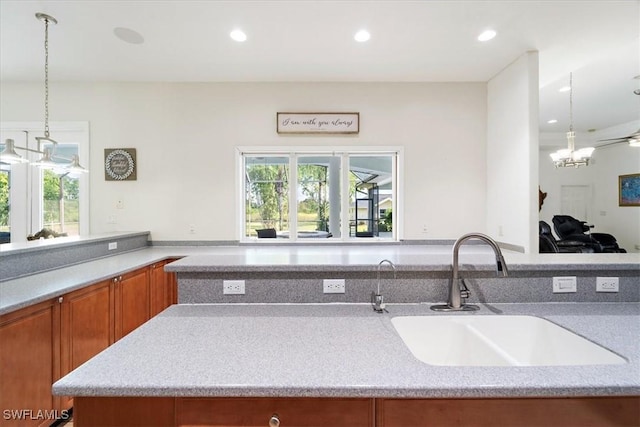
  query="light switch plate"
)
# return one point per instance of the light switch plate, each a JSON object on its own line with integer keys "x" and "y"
{"x": 562, "y": 285}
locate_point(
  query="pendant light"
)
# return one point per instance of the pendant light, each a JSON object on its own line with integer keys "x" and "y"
{"x": 570, "y": 157}
{"x": 47, "y": 161}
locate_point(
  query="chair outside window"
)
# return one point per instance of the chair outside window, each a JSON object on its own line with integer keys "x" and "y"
{"x": 266, "y": 233}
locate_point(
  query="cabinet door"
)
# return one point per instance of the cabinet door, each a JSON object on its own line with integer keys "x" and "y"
{"x": 87, "y": 326}
{"x": 158, "y": 288}
{"x": 163, "y": 287}
{"x": 131, "y": 301}
{"x": 275, "y": 412}
{"x": 29, "y": 362}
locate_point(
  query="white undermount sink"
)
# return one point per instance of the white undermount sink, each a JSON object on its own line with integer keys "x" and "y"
{"x": 497, "y": 340}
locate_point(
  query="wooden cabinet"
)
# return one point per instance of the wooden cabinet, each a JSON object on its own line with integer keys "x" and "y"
{"x": 353, "y": 412}
{"x": 584, "y": 412}
{"x": 209, "y": 411}
{"x": 131, "y": 301}
{"x": 87, "y": 326}
{"x": 275, "y": 412}
{"x": 29, "y": 363}
{"x": 163, "y": 287}
{"x": 41, "y": 343}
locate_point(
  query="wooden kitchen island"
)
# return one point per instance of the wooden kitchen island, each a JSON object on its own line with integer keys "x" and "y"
{"x": 344, "y": 365}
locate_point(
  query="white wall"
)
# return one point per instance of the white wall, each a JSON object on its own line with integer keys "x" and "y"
{"x": 185, "y": 136}
{"x": 512, "y": 153}
{"x": 602, "y": 178}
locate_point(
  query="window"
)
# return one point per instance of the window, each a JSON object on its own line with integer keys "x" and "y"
{"x": 32, "y": 198}
{"x": 311, "y": 193}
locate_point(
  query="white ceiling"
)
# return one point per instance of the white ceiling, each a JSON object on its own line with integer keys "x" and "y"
{"x": 294, "y": 41}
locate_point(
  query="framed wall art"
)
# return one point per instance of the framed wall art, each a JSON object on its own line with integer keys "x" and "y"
{"x": 309, "y": 123}
{"x": 629, "y": 190}
{"x": 120, "y": 164}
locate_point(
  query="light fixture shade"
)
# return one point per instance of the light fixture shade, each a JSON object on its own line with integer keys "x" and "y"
{"x": 561, "y": 155}
{"x": 74, "y": 166}
{"x": 9, "y": 155}
{"x": 46, "y": 162}
{"x": 583, "y": 153}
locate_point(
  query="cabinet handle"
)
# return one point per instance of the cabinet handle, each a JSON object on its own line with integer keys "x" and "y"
{"x": 60, "y": 300}
{"x": 274, "y": 421}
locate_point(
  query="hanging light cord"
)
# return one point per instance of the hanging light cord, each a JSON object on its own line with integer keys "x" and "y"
{"x": 570, "y": 102}
{"x": 46, "y": 77}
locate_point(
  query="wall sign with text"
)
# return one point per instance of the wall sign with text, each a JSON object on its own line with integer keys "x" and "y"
{"x": 332, "y": 123}
{"x": 120, "y": 164}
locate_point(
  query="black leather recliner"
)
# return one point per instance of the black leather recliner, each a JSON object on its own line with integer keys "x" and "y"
{"x": 549, "y": 244}
{"x": 569, "y": 228}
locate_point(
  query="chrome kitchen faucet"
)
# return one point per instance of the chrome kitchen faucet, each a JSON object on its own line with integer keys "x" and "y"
{"x": 458, "y": 290}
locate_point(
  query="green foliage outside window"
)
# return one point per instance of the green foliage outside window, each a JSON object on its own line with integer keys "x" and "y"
{"x": 54, "y": 200}
{"x": 4, "y": 201}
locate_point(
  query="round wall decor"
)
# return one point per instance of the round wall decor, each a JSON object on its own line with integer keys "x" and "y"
{"x": 120, "y": 164}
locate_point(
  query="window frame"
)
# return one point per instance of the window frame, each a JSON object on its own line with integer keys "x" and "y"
{"x": 344, "y": 152}
{"x": 26, "y": 214}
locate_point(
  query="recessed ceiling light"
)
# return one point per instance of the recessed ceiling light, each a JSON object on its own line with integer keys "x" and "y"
{"x": 362, "y": 36}
{"x": 564, "y": 89}
{"x": 552, "y": 121}
{"x": 487, "y": 35}
{"x": 238, "y": 35}
{"x": 128, "y": 35}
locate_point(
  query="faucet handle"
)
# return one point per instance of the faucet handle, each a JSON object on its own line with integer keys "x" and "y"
{"x": 464, "y": 291}
{"x": 377, "y": 302}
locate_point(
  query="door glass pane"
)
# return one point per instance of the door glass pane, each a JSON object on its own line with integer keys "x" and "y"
{"x": 5, "y": 223}
{"x": 266, "y": 194}
{"x": 371, "y": 196}
{"x": 318, "y": 194}
{"x": 60, "y": 193}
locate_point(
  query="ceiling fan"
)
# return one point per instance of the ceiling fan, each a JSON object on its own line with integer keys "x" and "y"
{"x": 633, "y": 140}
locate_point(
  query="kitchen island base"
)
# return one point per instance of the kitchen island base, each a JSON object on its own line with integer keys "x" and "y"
{"x": 354, "y": 412}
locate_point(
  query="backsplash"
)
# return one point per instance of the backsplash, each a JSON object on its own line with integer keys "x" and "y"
{"x": 43, "y": 256}
{"x": 408, "y": 287}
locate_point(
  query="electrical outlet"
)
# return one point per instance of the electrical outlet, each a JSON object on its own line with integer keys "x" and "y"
{"x": 607, "y": 284}
{"x": 192, "y": 229}
{"x": 333, "y": 286}
{"x": 564, "y": 284}
{"x": 113, "y": 245}
{"x": 233, "y": 287}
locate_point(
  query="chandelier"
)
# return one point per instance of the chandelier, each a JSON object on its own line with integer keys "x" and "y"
{"x": 570, "y": 157}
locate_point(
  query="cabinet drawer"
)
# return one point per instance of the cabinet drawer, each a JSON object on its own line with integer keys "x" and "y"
{"x": 534, "y": 412}
{"x": 289, "y": 412}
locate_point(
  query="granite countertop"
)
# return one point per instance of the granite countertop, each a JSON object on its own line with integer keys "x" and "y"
{"x": 24, "y": 291}
{"x": 407, "y": 257}
{"x": 340, "y": 350}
